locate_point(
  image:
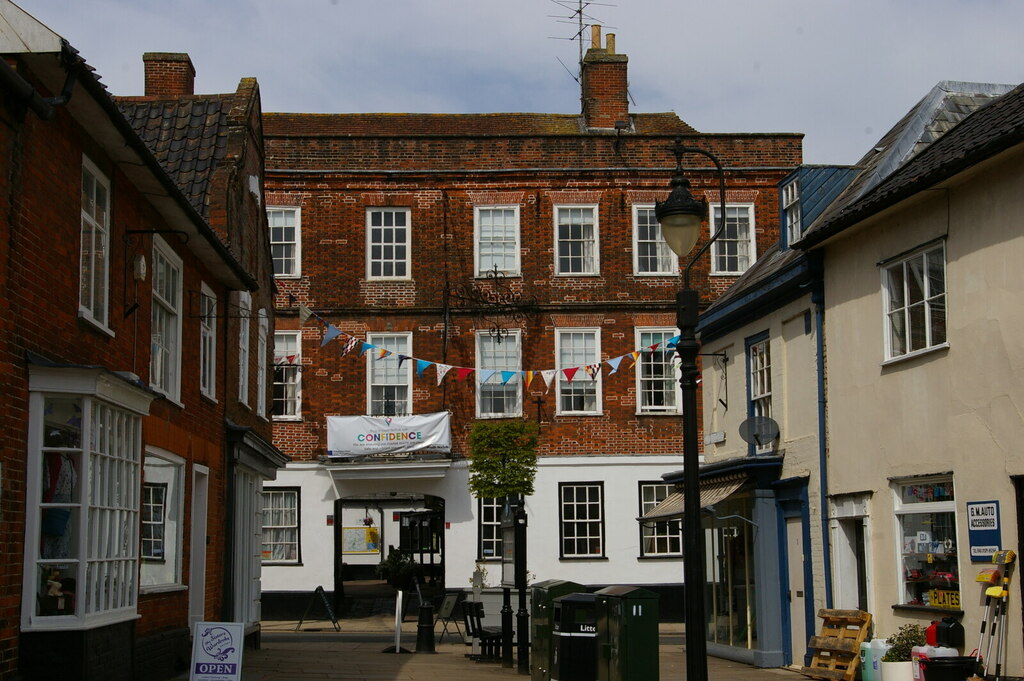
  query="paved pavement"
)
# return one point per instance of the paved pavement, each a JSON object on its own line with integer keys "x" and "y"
{"x": 357, "y": 654}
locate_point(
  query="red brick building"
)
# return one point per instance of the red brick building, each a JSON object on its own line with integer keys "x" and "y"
{"x": 498, "y": 245}
{"x": 130, "y": 470}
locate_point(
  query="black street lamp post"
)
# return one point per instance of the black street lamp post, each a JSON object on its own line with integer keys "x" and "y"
{"x": 680, "y": 217}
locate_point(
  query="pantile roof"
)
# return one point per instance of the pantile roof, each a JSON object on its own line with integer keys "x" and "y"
{"x": 188, "y": 135}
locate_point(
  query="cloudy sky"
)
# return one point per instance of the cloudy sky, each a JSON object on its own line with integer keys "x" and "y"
{"x": 839, "y": 71}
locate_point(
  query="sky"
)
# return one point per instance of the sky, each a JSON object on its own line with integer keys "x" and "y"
{"x": 840, "y": 71}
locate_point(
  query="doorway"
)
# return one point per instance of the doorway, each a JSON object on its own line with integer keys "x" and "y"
{"x": 796, "y": 569}
{"x": 197, "y": 546}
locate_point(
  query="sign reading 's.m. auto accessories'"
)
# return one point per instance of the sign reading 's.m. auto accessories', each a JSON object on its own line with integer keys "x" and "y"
{"x": 349, "y": 436}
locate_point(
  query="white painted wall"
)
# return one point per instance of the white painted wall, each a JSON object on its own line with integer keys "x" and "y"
{"x": 620, "y": 474}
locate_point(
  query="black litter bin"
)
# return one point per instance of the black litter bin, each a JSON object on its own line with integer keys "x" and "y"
{"x": 949, "y": 668}
{"x": 542, "y": 602}
{"x": 574, "y": 639}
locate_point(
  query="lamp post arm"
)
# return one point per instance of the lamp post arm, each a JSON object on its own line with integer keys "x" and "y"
{"x": 711, "y": 218}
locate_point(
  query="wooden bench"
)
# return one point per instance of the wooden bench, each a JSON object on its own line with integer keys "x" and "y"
{"x": 488, "y": 637}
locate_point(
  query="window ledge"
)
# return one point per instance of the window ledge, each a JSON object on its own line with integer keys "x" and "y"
{"x": 659, "y": 413}
{"x": 928, "y": 608}
{"x": 674, "y": 275}
{"x": 161, "y": 589}
{"x": 915, "y": 353}
{"x": 579, "y": 413}
{"x": 567, "y": 275}
{"x": 490, "y": 275}
{"x": 674, "y": 556}
{"x": 96, "y": 325}
{"x": 268, "y": 563}
{"x": 576, "y": 559}
{"x": 286, "y": 419}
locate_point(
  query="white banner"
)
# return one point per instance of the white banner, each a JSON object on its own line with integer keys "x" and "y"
{"x": 349, "y": 436}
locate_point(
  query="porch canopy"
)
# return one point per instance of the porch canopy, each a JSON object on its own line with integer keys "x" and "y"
{"x": 712, "y": 490}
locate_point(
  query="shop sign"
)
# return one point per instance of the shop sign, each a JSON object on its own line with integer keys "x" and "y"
{"x": 940, "y": 598}
{"x": 217, "y": 651}
{"x": 983, "y": 530}
{"x": 351, "y": 436}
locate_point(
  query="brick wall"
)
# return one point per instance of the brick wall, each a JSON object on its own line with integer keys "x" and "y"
{"x": 440, "y": 181}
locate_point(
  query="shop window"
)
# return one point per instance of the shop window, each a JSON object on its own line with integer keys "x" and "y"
{"x": 582, "y": 516}
{"x": 926, "y": 517}
{"x": 162, "y": 516}
{"x": 280, "y": 526}
{"x": 664, "y": 537}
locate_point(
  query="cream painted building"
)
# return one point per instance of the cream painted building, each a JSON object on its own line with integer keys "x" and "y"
{"x": 923, "y": 283}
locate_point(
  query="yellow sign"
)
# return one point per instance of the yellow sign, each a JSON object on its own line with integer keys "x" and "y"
{"x": 938, "y": 598}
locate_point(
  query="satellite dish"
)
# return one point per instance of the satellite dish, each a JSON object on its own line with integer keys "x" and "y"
{"x": 759, "y": 430}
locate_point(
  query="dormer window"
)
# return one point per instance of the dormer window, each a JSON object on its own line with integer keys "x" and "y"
{"x": 791, "y": 212}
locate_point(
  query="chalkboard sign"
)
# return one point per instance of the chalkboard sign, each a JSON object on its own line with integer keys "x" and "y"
{"x": 319, "y": 591}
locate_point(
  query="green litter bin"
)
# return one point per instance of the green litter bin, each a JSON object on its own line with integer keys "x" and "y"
{"x": 542, "y": 597}
{"x": 627, "y": 634}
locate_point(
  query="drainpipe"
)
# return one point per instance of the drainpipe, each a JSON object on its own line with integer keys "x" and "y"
{"x": 818, "y": 298}
{"x": 23, "y": 90}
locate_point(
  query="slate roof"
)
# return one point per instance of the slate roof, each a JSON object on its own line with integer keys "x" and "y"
{"x": 453, "y": 125}
{"x": 188, "y": 135}
{"x": 991, "y": 129}
{"x": 945, "y": 105}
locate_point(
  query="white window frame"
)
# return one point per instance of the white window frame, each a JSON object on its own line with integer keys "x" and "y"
{"x": 379, "y": 368}
{"x": 749, "y": 241}
{"x": 594, "y": 241}
{"x": 244, "y": 306}
{"x": 288, "y": 521}
{"x": 899, "y": 308}
{"x": 662, "y": 537}
{"x": 278, "y": 246}
{"x": 512, "y": 391}
{"x": 397, "y": 261}
{"x": 595, "y": 526}
{"x": 208, "y": 342}
{"x": 262, "y": 349}
{"x": 165, "y": 574}
{"x": 645, "y": 374}
{"x": 759, "y": 382}
{"x": 94, "y": 258}
{"x": 287, "y": 376}
{"x": 668, "y": 261}
{"x": 791, "y": 212}
{"x": 480, "y": 245}
{"x": 165, "y": 368}
{"x": 489, "y": 512}
{"x": 581, "y": 376}
{"x": 902, "y": 509}
{"x": 100, "y": 437}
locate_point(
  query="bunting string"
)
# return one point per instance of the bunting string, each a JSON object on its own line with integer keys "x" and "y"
{"x": 590, "y": 371}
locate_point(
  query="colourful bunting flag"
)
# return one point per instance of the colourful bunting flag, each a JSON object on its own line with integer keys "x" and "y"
{"x": 549, "y": 376}
{"x": 593, "y": 370}
{"x": 365, "y": 347}
{"x": 485, "y": 374}
{"x": 350, "y": 345}
{"x": 304, "y": 313}
{"x": 614, "y": 364}
{"x": 402, "y": 358}
{"x": 635, "y": 355}
{"x": 421, "y": 366}
{"x": 569, "y": 373}
{"x": 528, "y": 378}
{"x": 462, "y": 372}
{"x": 330, "y": 334}
{"x": 442, "y": 369}
{"x": 383, "y": 352}
{"x": 506, "y": 376}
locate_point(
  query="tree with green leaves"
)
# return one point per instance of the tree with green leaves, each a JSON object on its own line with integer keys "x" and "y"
{"x": 504, "y": 458}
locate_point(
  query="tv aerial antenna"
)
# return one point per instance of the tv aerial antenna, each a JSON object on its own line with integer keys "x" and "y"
{"x": 578, "y": 17}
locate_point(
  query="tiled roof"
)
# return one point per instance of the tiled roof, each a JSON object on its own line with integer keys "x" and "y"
{"x": 765, "y": 268}
{"x": 943, "y": 107}
{"x": 188, "y": 135}
{"x": 990, "y": 130}
{"x": 446, "y": 125}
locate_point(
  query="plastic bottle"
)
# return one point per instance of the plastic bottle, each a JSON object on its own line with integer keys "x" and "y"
{"x": 917, "y": 653}
{"x": 946, "y": 651}
{"x": 931, "y": 633}
{"x": 867, "y": 672}
{"x": 878, "y": 649}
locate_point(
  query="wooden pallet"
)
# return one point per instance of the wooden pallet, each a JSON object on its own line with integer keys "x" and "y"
{"x": 837, "y": 647}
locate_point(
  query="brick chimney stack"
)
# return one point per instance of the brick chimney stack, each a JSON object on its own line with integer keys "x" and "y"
{"x": 169, "y": 74}
{"x": 605, "y": 96}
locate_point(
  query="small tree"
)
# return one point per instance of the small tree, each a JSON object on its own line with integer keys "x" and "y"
{"x": 504, "y": 458}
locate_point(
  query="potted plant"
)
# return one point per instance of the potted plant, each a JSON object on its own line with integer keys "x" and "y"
{"x": 399, "y": 570}
{"x": 896, "y": 663}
